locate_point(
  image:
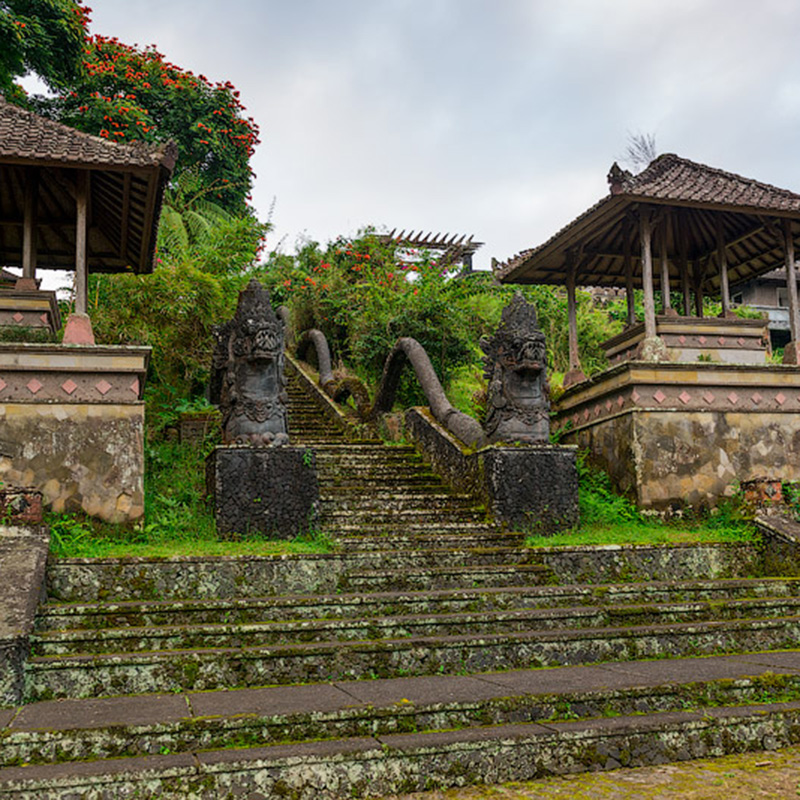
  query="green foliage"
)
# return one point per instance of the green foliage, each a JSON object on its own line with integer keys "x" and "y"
{"x": 598, "y": 501}
{"x": 125, "y": 93}
{"x": 42, "y": 36}
{"x": 23, "y": 333}
{"x": 364, "y": 294}
{"x": 174, "y": 309}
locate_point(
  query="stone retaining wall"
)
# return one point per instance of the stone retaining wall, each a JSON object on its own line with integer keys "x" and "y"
{"x": 90, "y": 579}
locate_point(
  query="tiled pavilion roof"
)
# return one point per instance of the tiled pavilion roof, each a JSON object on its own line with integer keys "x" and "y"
{"x": 126, "y": 187}
{"x": 691, "y": 201}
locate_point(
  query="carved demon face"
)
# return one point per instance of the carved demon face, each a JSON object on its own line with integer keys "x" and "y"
{"x": 258, "y": 339}
{"x": 524, "y": 353}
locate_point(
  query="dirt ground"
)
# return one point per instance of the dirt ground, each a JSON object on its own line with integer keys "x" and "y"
{"x": 742, "y": 777}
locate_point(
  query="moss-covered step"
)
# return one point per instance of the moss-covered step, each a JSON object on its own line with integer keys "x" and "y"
{"x": 407, "y": 762}
{"x": 260, "y": 634}
{"x": 75, "y": 730}
{"x": 168, "y": 671}
{"x": 98, "y": 615}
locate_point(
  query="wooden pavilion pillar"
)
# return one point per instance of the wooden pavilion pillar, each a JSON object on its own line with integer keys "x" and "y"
{"x": 791, "y": 353}
{"x": 646, "y": 237}
{"x": 722, "y": 260}
{"x": 666, "y": 300}
{"x": 630, "y": 296}
{"x": 652, "y": 348}
{"x": 682, "y": 248}
{"x": 686, "y": 287}
{"x": 79, "y": 327}
{"x": 28, "y": 280}
{"x": 575, "y": 373}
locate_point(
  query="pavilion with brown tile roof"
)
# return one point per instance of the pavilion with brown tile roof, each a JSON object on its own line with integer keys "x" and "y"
{"x": 709, "y": 228}
{"x": 689, "y": 407}
{"x": 69, "y": 200}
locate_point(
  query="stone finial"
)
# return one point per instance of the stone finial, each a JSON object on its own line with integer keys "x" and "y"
{"x": 247, "y": 380}
{"x": 515, "y": 366}
{"x": 617, "y": 177}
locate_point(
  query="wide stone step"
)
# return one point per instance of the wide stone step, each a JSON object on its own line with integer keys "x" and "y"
{"x": 101, "y": 615}
{"x": 331, "y": 516}
{"x": 344, "y": 502}
{"x": 436, "y": 527}
{"x": 225, "y": 635}
{"x": 331, "y": 480}
{"x": 420, "y": 541}
{"x": 152, "y": 724}
{"x": 172, "y": 671}
{"x": 408, "y": 762}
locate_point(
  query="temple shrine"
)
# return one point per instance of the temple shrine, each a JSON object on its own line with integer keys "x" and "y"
{"x": 72, "y": 413}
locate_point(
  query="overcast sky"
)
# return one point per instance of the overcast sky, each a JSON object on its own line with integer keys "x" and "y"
{"x": 498, "y": 118}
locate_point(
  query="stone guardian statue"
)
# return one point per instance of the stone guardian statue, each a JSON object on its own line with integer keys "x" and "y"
{"x": 515, "y": 365}
{"x": 247, "y": 379}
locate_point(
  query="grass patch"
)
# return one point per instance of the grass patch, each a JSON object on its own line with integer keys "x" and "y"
{"x": 610, "y": 518}
{"x": 177, "y": 521}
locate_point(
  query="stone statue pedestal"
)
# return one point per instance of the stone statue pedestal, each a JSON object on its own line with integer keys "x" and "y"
{"x": 267, "y": 490}
{"x": 532, "y": 488}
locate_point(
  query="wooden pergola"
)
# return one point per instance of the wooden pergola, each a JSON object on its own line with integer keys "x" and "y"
{"x": 69, "y": 200}
{"x": 706, "y": 228}
{"x": 451, "y": 248}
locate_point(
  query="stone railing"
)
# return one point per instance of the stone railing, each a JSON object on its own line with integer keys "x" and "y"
{"x": 407, "y": 351}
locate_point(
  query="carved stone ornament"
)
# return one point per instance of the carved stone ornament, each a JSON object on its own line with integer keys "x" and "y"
{"x": 518, "y": 403}
{"x": 247, "y": 380}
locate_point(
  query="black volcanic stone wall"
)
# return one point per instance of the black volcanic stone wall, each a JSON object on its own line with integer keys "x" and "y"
{"x": 272, "y": 491}
{"x": 533, "y": 487}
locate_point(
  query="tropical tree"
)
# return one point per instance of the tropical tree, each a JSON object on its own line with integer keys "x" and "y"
{"x": 42, "y": 36}
{"x": 126, "y": 93}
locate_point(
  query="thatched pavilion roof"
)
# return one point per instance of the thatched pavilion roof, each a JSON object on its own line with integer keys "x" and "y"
{"x": 691, "y": 201}
{"x": 126, "y": 182}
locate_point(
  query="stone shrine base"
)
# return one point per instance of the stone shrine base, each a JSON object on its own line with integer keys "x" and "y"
{"x": 267, "y": 490}
{"x": 673, "y": 435}
{"x": 72, "y": 426}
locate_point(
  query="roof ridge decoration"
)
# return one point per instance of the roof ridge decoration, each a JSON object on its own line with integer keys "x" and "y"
{"x": 28, "y": 137}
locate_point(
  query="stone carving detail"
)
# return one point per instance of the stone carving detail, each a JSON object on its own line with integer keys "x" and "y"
{"x": 515, "y": 366}
{"x": 247, "y": 380}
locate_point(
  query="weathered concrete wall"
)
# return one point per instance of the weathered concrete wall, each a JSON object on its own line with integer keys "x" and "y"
{"x": 23, "y": 558}
{"x": 672, "y": 434}
{"x": 667, "y": 458}
{"x": 72, "y": 425}
{"x": 81, "y": 457}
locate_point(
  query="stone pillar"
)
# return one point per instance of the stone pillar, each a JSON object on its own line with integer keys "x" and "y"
{"x": 268, "y": 490}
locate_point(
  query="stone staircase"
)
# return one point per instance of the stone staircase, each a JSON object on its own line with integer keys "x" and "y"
{"x": 411, "y": 657}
